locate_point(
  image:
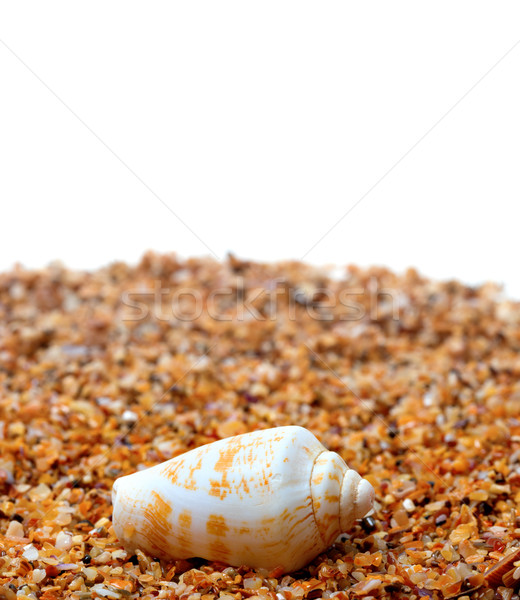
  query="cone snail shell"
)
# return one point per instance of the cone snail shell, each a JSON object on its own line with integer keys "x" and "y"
{"x": 270, "y": 498}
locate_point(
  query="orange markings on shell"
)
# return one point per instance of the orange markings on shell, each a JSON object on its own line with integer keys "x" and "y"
{"x": 191, "y": 484}
{"x": 227, "y": 455}
{"x": 174, "y": 471}
{"x": 171, "y": 471}
{"x": 248, "y": 456}
{"x": 157, "y": 527}
{"x": 185, "y": 519}
{"x": 216, "y": 525}
{"x": 317, "y": 479}
{"x": 183, "y": 536}
{"x": 220, "y": 489}
{"x": 328, "y": 521}
{"x": 243, "y": 530}
{"x": 306, "y": 515}
{"x": 332, "y": 498}
{"x": 219, "y": 550}
{"x": 244, "y": 485}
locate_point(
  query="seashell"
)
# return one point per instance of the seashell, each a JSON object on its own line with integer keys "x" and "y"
{"x": 269, "y": 499}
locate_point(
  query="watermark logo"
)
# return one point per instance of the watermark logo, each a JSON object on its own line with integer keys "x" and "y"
{"x": 278, "y": 298}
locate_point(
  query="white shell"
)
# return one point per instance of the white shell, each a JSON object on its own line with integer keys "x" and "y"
{"x": 271, "y": 498}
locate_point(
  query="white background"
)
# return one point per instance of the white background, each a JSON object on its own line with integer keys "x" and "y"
{"x": 260, "y": 125}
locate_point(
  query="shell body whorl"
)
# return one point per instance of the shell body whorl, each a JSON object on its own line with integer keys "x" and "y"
{"x": 270, "y": 498}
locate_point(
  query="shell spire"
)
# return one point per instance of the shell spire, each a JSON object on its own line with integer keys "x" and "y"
{"x": 339, "y": 494}
{"x": 356, "y": 500}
